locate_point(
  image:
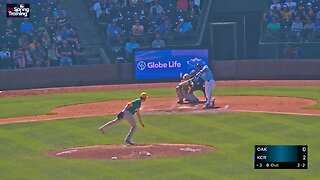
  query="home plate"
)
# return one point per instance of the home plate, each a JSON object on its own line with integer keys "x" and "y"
{"x": 183, "y": 107}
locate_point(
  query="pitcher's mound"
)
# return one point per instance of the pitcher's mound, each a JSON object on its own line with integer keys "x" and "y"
{"x": 116, "y": 152}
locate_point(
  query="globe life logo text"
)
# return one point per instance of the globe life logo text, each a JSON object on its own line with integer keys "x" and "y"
{"x": 160, "y": 65}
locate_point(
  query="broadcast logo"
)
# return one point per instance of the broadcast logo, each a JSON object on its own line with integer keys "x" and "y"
{"x": 18, "y": 10}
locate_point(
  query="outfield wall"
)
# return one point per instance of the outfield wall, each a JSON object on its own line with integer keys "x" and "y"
{"x": 115, "y": 74}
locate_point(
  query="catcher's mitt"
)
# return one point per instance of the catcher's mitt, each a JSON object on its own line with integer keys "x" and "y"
{"x": 120, "y": 115}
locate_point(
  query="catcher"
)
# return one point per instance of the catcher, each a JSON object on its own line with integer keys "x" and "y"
{"x": 184, "y": 90}
{"x": 198, "y": 83}
{"x": 127, "y": 113}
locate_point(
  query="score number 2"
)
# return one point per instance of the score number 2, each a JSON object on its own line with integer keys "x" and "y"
{"x": 301, "y": 165}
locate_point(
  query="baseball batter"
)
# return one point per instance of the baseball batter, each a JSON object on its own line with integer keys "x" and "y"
{"x": 198, "y": 83}
{"x": 184, "y": 90}
{"x": 209, "y": 83}
{"x": 127, "y": 113}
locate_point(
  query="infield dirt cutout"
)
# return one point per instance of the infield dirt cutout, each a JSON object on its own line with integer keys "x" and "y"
{"x": 121, "y": 152}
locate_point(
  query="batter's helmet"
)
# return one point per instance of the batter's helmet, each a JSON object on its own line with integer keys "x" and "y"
{"x": 193, "y": 73}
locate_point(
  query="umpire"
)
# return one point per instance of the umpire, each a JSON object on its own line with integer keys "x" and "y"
{"x": 198, "y": 83}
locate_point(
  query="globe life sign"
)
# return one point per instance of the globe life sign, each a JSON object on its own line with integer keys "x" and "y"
{"x": 170, "y": 64}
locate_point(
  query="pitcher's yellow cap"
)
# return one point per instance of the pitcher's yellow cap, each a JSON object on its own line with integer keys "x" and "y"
{"x": 143, "y": 95}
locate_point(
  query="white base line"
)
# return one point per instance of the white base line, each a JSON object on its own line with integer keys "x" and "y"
{"x": 272, "y": 112}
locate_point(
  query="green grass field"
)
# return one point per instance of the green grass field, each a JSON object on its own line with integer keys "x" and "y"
{"x": 23, "y": 145}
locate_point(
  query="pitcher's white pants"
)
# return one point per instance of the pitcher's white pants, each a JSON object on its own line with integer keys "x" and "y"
{"x": 129, "y": 117}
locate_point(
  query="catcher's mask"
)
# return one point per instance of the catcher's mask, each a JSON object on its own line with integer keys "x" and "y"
{"x": 186, "y": 76}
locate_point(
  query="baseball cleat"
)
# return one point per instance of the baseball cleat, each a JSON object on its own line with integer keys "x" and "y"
{"x": 180, "y": 102}
{"x": 129, "y": 142}
{"x": 206, "y": 106}
{"x": 101, "y": 131}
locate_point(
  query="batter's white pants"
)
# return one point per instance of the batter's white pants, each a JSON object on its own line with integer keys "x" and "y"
{"x": 208, "y": 87}
{"x": 129, "y": 117}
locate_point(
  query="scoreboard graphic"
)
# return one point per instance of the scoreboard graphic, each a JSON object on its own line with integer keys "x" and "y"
{"x": 281, "y": 157}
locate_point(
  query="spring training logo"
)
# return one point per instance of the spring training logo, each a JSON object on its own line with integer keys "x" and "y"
{"x": 18, "y": 10}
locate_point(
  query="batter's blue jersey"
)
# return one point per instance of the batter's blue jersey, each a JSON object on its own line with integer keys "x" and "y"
{"x": 206, "y": 74}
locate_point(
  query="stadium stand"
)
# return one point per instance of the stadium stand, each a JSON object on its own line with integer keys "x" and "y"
{"x": 292, "y": 21}
{"x": 120, "y": 20}
{"x": 43, "y": 40}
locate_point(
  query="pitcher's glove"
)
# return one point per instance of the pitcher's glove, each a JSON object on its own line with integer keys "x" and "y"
{"x": 120, "y": 115}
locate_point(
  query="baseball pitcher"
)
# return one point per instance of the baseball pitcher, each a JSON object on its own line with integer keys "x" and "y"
{"x": 127, "y": 113}
{"x": 209, "y": 83}
{"x": 183, "y": 90}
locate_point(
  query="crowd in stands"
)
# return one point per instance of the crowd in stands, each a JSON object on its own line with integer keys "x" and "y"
{"x": 128, "y": 23}
{"x": 293, "y": 20}
{"x": 43, "y": 40}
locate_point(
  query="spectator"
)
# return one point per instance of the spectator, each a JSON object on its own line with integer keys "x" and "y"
{"x": 61, "y": 20}
{"x": 73, "y": 38}
{"x": 10, "y": 31}
{"x": 59, "y": 12}
{"x": 65, "y": 54}
{"x": 297, "y": 27}
{"x": 104, "y": 18}
{"x": 316, "y": 29}
{"x": 275, "y": 5}
{"x": 197, "y": 2}
{"x": 65, "y": 32}
{"x": 166, "y": 27}
{"x": 285, "y": 13}
{"x": 24, "y": 42}
{"x": 156, "y": 7}
{"x": 50, "y": 23}
{"x": 130, "y": 46}
{"x": 158, "y": 42}
{"x": 53, "y": 55}
{"x": 5, "y": 58}
{"x": 193, "y": 9}
{"x": 309, "y": 12}
{"x": 114, "y": 30}
{"x": 40, "y": 56}
{"x": 78, "y": 55}
{"x": 57, "y": 38}
{"x": 182, "y": 5}
{"x": 29, "y": 61}
{"x": 274, "y": 25}
{"x": 300, "y": 13}
{"x": 268, "y": 16}
{"x": 183, "y": 27}
{"x": 291, "y": 5}
{"x": 273, "y": 29}
{"x": 26, "y": 27}
{"x": 18, "y": 58}
{"x": 318, "y": 15}
{"x": 137, "y": 28}
{"x": 98, "y": 8}
{"x": 46, "y": 40}
{"x": 307, "y": 30}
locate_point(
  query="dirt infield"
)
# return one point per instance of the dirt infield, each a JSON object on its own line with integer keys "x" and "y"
{"x": 30, "y": 92}
{"x": 121, "y": 152}
{"x": 281, "y": 105}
